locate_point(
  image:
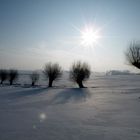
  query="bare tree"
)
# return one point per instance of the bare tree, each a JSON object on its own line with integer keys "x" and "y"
{"x": 133, "y": 54}
{"x": 52, "y": 72}
{"x": 13, "y": 75}
{"x": 3, "y": 75}
{"x": 80, "y": 72}
{"x": 34, "y": 78}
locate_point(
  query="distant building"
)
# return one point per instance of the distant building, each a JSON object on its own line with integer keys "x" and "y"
{"x": 117, "y": 72}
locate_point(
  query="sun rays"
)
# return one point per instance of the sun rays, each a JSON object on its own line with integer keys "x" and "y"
{"x": 90, "y": 36}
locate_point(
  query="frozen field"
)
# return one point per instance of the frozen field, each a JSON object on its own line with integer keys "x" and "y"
{"x": 109, "y": 109}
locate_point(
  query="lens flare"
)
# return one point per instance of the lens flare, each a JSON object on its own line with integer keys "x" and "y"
{"x": 42, "y": 116}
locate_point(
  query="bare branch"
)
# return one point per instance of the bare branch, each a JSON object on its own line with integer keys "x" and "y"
{"x": 13, "y": 75}
{"x": 79, "y": 72}
{"x": 34, "y": 78}
{"x": 3, "y": 75}
{"x": 52, "y": 71}
{"x": 133, "y": 54}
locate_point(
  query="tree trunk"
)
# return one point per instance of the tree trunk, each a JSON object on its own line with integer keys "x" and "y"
{"x": 1, "y": 82}
{"x": 11, "y": 82}
{"x": 50, "y": 83}
{"x": 33, "y": 83}
{"x": 80, "y": 84}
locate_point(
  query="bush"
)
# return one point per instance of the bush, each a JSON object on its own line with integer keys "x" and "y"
{"x": 3, "y": 75}
{"x": 79, "y": 72}
{"x": 52, "y": 71}
{"x": 133, "y": 54}
{"x": 34, "y": 78}
{"x": 13, "y": 75}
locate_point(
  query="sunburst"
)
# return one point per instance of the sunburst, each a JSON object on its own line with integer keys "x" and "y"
{"x": 90, "y": 36}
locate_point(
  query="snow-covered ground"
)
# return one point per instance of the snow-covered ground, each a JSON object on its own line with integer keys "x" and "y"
{"x": 109, "y": 109}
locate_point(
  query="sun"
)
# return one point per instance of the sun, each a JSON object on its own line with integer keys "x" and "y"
{"x": 90, "y": 36}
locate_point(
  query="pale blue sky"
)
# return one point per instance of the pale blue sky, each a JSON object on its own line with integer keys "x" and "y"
{"x": 33, "y": 32}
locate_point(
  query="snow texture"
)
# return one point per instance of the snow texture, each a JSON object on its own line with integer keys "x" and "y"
{"x": 109, "y": 109}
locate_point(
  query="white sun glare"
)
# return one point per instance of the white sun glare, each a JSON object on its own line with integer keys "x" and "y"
{"x": 89, "y": 36}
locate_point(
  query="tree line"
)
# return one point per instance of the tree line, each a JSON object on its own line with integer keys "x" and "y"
{"x": 79, "y": 71}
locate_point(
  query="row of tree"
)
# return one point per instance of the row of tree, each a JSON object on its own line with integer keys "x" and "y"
{"x": 10, "y": 75}
{"x": 79, "y": 72}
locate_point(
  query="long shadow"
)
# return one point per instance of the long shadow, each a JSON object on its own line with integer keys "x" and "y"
{"x": 71, "y": 95}
{"x": 131, "y": 91}
{"x": 25, "y": 93}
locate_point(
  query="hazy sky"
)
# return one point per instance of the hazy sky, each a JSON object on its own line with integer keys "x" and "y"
{"x": 33, "y": 32}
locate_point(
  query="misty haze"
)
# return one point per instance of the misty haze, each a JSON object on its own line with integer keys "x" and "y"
{"x": 69, "y": 70}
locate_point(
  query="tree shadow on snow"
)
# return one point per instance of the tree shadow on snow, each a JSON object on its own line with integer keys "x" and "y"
{"x": 25, "y": 93}
{"x": 71, "y": 95}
